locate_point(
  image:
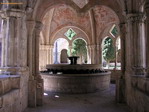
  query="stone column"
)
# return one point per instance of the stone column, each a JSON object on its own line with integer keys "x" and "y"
{"x": 46, "y": 54}
{"x": 88, "y": 55}
{"x": 39, "y": 80}
{"x": 56, "y": 56}
{"x": 115, "y": 61}
{"x": 147, "y": 37}
{"x": 92, "y": 50}
{"x": 3, "y": 34}
{"x": 31, "y": 61}
{"x": 123, "y": 45}
{"x": 136, "y": 45}
{"x": 31, "y": 26}
{"x": 35, "y": 80}
{"x": 98, "y": 55}
{"x": 51, "y": 54}
{"x": 70, "y": 48}
{"x": 120, "y": 79}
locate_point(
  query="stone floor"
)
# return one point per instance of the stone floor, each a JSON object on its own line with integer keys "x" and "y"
{"x": 93, "y": 102}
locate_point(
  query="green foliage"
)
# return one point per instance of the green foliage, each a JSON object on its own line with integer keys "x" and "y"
{"x": 79, "y": 48}
{"x": 108, "y": 50}
{"x": 114, "y": 31}
{"x": 70, "y": 34}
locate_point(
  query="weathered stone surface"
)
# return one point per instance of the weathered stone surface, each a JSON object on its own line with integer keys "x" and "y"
{"x": 1, "y": 87}
{"x": 76, "y": 83}
{"x": 6, "y": 85}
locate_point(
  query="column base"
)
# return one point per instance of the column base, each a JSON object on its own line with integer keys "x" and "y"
{"x": 36, "y": 92}
{"x": 32, "y": 93}
{"x": 120, "y": 90}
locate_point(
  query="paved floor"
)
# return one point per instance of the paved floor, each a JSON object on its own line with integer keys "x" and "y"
{"x": 93, "y": 102}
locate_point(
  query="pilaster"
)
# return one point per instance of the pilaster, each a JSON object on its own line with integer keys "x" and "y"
{"x": 31, "y": 46}
{"x": 31, "y": 64}
{"x": 39, "y": 83}
{"x": 124, "y": 54}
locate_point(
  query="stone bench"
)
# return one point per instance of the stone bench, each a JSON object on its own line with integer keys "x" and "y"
{"x": 9, "y": 93}
{"x": 9, "y": 82}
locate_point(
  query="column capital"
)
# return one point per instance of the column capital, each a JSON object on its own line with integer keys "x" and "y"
{"x": 139, "y": 70}
{"x": 12, "y": 13}
{"x": 135, "y": 17}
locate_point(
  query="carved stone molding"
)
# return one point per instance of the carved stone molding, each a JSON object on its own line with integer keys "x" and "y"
{"x": 139, "y": 70}
{"x": 12, "y": 13}
{"x": 136, "y": 17}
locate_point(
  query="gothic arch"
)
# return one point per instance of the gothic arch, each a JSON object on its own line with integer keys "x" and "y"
{"x": 56, "y": 35}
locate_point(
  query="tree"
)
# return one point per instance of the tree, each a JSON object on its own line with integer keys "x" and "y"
{"x": 79, "y": 48}
{"x": 108, "y": 50}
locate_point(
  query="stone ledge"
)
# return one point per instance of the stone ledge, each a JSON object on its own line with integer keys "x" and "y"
{"x": 8, "y": 83}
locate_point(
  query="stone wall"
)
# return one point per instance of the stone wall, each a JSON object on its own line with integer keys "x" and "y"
{"x": 137, "y": 93}
{"x": 13, "y": 93}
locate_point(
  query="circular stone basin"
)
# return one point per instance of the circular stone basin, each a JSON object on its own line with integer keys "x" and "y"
{"x": 74, "y": 69}
{"x": 88, "y": 82}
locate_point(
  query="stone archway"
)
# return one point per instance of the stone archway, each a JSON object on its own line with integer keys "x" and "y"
{"x": 92, "y": 46}
{"x": 80, "y": 43}
{"x": 60, "y": 44}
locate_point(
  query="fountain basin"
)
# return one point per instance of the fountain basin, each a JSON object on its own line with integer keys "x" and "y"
{"x": 76, "y": 83}
{"x": 65, "y": 78}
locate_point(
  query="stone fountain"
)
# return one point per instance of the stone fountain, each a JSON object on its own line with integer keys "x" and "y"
{"x": 75, "y": 78}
